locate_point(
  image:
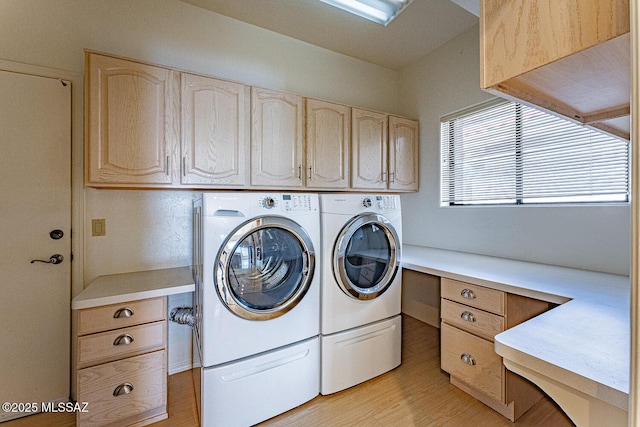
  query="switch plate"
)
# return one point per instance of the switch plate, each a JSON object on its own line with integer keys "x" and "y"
{"x": 98, "y": 227}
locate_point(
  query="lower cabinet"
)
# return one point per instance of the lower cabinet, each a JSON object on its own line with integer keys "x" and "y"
{"x": 471, "y": 316}
{"x": 121, "y": 363}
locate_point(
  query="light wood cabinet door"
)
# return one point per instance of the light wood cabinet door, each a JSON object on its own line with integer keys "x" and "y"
{"x": 132, "y": 129}
{"x": 215, "y": 133}
{"x": 126, "y": 392}
{"x": 404, "y": 148}
{"x": 569, "y": 57}
{"x": 471, "y": 317}
{"x": 121, "y": 363}
{"x": 472, "y": 360}
{"x": 521, "y": 35}
{"x": 328, "y": 135}
{"x": 276, "y": 139}
{"x": 369, "y": 150}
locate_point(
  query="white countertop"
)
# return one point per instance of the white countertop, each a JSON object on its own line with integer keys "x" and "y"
{"x": 583, "y": 343}
{"x": 118, "y": 288}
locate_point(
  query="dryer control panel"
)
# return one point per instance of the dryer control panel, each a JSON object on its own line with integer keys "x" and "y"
{"x": 386, "y": 203}
{"x": 380, "y": 202}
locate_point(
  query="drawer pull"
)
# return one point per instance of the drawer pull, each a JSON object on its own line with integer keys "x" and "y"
{"x": 468, "y": 316}
{"x": 468, "y": 294}
{"x": 123, "y": 339}
{"x": 468, "y": 359}
{"x": 123, "y": 389}
{"x": 123, "y": 312}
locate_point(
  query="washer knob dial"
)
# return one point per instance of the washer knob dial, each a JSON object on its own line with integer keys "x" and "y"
{"x": 366, "y": 202}
{"x": 269, "y": 202}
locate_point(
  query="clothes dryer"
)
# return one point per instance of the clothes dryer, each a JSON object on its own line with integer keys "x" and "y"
{"x": 257, "y": 304}
{"x": 361, "y": 288}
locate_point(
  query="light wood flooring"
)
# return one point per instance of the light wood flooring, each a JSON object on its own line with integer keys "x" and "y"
{"x": 417, "y": 393}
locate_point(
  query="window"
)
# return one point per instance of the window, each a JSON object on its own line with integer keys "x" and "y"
{"x": 507, "y": 153}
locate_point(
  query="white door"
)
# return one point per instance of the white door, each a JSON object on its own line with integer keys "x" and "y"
{"x": 35, "y": 199}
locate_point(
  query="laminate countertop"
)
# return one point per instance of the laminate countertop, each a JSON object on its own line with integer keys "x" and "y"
{"x": 118, "y": 288}
{"x": 583, "y": 343}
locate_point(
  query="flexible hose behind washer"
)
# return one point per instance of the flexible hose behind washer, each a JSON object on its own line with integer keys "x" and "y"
{"x": 183, "y": 316}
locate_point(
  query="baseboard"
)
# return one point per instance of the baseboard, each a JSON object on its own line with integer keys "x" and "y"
{"x": 179, "y": 367}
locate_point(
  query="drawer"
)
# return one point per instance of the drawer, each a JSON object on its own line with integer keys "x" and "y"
{"x": 473, "y": 361}
{"x": 486, "y": 299}
{"x": 107, "y": 317}
{"x": 120, "y": 343}
{"x": 98, "y": 385}
{"x": 474, "y": 320}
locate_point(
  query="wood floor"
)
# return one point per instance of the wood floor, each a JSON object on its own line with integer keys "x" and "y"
{"x": 417, "y": 393}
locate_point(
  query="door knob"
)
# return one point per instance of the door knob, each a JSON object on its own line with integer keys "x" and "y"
{"x": 54, "y": 259}
{"x": 56, "y": 234}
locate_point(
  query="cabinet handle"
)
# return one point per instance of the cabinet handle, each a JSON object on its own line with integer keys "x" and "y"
{"x": 124, "y": 339}
{"x": 468, "y": 294}
{"x": 299, "y": 172}
{"x": 184, "y": 165}
{"x": 468, "y": 359}
{"x": 309, "y": 173}
{"x": 393, "y": 177}
{"x": 124, "y": 388}
{"x": 384, "y": 177}
{"x": 468, "y": 316}
{"x": 123, "y": 312}
{"x": 166, "y": 167}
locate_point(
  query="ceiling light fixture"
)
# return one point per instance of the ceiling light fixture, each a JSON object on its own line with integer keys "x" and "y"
{"x": 380, "y": 11}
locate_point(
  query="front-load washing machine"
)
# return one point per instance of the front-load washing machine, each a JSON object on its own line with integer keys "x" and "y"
{"x": 257, "y": 305}
{"x": 361, "y": 288}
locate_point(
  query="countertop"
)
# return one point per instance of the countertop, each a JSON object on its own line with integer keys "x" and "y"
{"x": 118, "y": 288}
{"x": 583, "y": 343}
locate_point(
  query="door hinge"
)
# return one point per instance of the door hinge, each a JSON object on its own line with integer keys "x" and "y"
{"x": 71, "y": 257}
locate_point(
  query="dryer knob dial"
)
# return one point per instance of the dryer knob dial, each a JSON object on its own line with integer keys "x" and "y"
{"x": 268, "y": 202}
{"x": 366, "y": 202}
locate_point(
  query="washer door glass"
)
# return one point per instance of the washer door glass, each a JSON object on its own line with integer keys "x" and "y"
{"x": 265, "y": 267}
{"x": 366, "y": 256}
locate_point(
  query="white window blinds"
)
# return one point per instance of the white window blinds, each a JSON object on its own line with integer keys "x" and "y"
{"x": 508, "y": 153}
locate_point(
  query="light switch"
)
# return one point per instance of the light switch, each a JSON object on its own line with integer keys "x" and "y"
{"x": 98, "y": 227}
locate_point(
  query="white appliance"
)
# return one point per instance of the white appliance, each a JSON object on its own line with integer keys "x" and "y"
{"x": 257, "y": 305}
{"x": 361, "y": 288}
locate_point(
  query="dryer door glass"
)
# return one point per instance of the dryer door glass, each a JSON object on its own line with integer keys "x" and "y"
{"x": 267, "y": 269}
{"x": 366, "y": 257}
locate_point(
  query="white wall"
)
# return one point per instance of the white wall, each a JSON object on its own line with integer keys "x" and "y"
{"x": 152, "y": 229}
{"x": 593, "y": 238}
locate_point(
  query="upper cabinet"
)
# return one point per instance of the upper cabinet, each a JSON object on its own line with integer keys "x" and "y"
{"x": 328, "y": 132}
{"x": 384, "y": 152}
{"x": 569, "y": 57}
{"x": 131, "y": 131}
{"x": 403, "y": 154}
{"x": 276, "y": 139}
{"x": 215, "y": 132}
{"x": 149, "y": 126}
{"x": 369, "y": 147}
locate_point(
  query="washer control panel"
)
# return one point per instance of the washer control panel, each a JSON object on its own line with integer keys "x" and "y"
{"x": 287, "y": 202}
{"x": 296, "y": 202}
{"x": 269, "y": 202}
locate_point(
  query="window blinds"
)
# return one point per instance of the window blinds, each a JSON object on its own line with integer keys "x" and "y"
{"x": 508, "y": 153}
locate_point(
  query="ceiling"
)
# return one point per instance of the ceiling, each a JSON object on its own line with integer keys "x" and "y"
{"x": 422, "y": 27}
